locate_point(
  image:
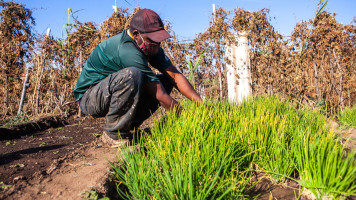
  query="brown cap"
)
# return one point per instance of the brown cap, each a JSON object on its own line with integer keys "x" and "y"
{"x": 148, "y": 22}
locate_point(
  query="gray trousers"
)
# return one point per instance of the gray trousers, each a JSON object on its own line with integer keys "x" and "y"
{"x": 121, "y": 98}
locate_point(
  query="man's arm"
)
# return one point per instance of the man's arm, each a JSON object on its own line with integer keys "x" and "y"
{"x": 183, "y": 85}
{"x": 157, "y": 90}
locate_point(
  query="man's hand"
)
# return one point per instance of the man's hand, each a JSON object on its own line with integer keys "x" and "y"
{"x": 183, "y": 84}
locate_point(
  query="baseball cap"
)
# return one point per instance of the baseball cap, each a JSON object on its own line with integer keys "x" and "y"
{"x": 148, "y": 22}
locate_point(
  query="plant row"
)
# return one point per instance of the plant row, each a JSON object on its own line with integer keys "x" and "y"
{"x": 211, "y": 152}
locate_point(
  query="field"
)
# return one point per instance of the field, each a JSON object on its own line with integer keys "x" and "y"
{"x": 71, "y": 162}
{"x": 294, "y": 139}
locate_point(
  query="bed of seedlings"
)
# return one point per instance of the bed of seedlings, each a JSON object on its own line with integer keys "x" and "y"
{"x": 347, "y": 117}
{"x": 210, "y": 152}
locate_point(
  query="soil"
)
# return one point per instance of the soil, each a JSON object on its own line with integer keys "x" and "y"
{"x": 70, "y": 162}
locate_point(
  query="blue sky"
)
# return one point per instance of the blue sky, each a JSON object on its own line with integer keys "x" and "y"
{"x": 187, "y": 17}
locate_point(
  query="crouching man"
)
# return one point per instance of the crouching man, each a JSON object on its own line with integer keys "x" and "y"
{"x": 116, "y": 81}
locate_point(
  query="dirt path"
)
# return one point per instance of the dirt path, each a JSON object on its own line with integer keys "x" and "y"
{"x": 348, "y": 135}
{"x": 58, "y": 163}
{"x": 75, "y": 178}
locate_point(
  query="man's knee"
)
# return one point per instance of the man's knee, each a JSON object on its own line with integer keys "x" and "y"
{"x": 128, "y": 76}
{"x": 133, "y": 73}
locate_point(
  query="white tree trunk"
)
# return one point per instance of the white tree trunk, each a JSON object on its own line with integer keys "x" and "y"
{"x": 238, "y": 71}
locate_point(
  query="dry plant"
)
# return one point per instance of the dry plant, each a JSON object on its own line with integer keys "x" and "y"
{"x": 315, "y": 65}
{"x": 213, "y": 42}
{"x": 15, "y": 39}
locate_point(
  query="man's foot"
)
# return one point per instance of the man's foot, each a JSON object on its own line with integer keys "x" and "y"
{"x": 114, "y": 143}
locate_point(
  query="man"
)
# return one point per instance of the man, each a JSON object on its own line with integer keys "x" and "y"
{"x": 117, "y": 82}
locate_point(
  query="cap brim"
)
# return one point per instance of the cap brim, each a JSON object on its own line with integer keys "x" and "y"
{"x": 158, "y": 36}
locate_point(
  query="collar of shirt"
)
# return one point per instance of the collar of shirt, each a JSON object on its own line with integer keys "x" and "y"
{"x": 129, "y": 32}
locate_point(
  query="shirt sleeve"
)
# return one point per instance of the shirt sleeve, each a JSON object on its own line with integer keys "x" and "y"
{"x": 160, "y": 61}
{"x": 130, "y": 56}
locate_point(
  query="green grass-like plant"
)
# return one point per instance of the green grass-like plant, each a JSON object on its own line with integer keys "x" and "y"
{"x": 194, "y": 158}
{"x": 207, "y": 151}
{"x": 19, "y": 119}
{"x": 325, "y": 167}
{"x": 347, "y": 117}
{"x": 194, "y": 68}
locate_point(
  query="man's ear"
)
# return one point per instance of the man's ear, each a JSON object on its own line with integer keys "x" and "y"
{"x": 134, "y": 32}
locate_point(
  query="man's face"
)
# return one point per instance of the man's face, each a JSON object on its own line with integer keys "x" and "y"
{"x": 151, "y": 46}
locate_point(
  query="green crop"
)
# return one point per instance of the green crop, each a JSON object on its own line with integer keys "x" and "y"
{"x": 324, "y": 166}
{"x": 195, "y": 158}
{"x": 193, "y": 69}
{"x": 347, "y": 117}
{"x": 207, "y": 152}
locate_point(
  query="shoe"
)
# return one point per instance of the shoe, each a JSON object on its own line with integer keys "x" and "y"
{"x": 105, "y": 138}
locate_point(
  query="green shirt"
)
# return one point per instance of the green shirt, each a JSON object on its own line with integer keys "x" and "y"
{"x": 114, "y": 54}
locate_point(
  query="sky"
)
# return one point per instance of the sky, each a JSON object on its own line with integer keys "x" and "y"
{"x": 188, "y": 17}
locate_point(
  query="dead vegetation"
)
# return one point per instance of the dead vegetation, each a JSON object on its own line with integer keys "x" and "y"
{"x": 315, "y": 65}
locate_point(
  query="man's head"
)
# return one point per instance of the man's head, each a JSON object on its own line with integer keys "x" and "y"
{"x": 148, "y": 30}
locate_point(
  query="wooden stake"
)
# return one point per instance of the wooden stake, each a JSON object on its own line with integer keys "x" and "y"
{"x": 316, "y": 80}
{"x": 341, "y": 79}
{"x": 214, "y": 13}
{"x": 25, "y": 86}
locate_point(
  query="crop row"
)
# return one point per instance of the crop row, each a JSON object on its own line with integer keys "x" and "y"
{"x": 210, "y": 152}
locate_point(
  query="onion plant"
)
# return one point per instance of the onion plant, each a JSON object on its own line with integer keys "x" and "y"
{"x": 266, "y": 131}
{"x": 206, "y": 152}
{"x": 347, "y": 117}
{"x": 195, "y": 158}
{"x": 325, "y": 168}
